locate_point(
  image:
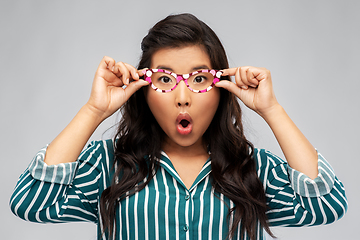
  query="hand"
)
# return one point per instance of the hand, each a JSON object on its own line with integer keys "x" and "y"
{"x": 108, "y": 94}
{"x": 253, "y": 86}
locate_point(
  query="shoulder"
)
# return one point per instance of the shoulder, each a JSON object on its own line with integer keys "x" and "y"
{"x": 265, "y": 158}
{"x": 269, "y": 165}
{"x": 97, "y": 152}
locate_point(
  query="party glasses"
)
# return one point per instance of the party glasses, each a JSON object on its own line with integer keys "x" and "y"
{"x": 165, "y": 81}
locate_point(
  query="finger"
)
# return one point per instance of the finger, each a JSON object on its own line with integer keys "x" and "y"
{"x": 122, "y": 72}
{"x": 230, "y": 86}
{"x": 134, "y": 86}
{"x": 253, "y": 81}
{"x": 244, "y": 76}
{"x": 229, "y": 71}
{"x": 107, "y": 63}
{"x": 133, "y": 71}
{"x": 240, "y": 80}
{"x": 105, "y": 69}
{"x": 141, "y": 72}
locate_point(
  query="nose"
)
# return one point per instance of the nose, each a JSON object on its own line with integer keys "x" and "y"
{"x": 182, "y": 93}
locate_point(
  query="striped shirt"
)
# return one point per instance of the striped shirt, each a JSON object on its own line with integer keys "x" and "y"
{"x": 166, "y": 208}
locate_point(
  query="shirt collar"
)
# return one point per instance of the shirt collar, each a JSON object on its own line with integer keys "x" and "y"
{"x": 166, "y": 163}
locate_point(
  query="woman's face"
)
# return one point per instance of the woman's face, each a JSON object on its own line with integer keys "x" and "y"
{"x": 182, "y": 114}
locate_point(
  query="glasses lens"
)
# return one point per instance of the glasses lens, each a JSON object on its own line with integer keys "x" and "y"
{"x": 163, "y": 81}
{"x": 200, "y": 81}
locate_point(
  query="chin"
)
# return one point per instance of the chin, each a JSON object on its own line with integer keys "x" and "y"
{"x": 187, "y": 141}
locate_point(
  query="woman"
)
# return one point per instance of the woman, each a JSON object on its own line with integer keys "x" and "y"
{"x": 179, "y": 166}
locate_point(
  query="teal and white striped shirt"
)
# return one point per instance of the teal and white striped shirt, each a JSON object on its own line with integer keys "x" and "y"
{"x": 165, "y": 208}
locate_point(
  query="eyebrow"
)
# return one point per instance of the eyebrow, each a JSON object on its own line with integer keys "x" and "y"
{"x": 192, "y": 70}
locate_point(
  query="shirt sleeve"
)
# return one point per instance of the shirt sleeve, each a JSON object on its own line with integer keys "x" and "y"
{"x": 64, "y": 192}
{"x": 294, "y": 199}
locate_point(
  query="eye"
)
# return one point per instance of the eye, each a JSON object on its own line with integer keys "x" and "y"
{"x": 164, "y": 79}
{"x": 199, "y": 79}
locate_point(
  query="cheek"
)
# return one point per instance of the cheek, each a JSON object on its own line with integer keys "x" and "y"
{"x": 214, "y": 99}
{"x": 207, "y": 105}
{"x": 156, "y": 102}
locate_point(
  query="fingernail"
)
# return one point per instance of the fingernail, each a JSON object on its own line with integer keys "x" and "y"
{"x": 244, "y": 87}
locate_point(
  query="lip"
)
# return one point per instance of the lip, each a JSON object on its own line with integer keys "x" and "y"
{"x": 184, "y": 130}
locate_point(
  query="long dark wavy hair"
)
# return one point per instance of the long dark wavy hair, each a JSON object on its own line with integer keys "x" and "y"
{"x": 233, "y": 167}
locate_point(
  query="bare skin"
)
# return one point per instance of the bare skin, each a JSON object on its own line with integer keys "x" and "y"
{"x": 252, "y": 85}
{"x": 254, "y": 88}
{"x": 107, "y": 96}
{"x": 186, "y": 151}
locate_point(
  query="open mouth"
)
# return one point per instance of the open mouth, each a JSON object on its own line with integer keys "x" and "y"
{"x": 184, "y": 123}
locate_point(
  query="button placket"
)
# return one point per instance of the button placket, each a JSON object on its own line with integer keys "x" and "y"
{"x": 188, "y": 206}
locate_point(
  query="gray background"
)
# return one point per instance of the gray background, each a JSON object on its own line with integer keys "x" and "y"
{"x": 50, "y": 51}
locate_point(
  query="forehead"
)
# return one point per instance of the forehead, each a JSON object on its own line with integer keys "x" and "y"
{"x": 181, "y": 59}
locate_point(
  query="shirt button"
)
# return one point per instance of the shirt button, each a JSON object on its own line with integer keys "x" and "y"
{"x": 187, "y": 197}
{"x": 186, "y": 228}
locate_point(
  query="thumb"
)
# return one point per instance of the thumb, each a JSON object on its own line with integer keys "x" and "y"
{"x": 230, "y": 86}
{"x": 134, "y": 86}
